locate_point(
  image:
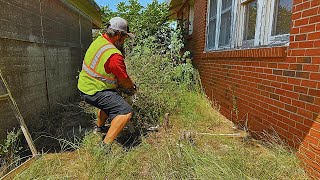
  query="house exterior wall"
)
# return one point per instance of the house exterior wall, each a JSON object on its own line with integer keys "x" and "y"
{"x": 42, "y": 44}
{"x": 270, "y": 88}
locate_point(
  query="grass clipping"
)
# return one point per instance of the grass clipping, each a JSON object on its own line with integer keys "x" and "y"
{"x": 168, "y": 155}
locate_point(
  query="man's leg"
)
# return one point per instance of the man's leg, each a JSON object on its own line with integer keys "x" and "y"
{"x": 117, "y": 125}
{"x": 102, "y": 118}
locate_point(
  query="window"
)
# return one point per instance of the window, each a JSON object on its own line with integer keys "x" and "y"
{"x": 219, "y": 24}
{"x": 211, "y": 35}
{"x": 247, "y": 23}
{"x": 281, "y": 21}
{"x": 282, "y": 17}
{"x": 250, "y": 21}
{"x": 191, "y": 18}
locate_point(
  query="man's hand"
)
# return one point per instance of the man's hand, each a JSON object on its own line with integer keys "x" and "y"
{"x": 125, "y": 83}
{"x": 127, "y": 87}
{"x": 129, "y": 92}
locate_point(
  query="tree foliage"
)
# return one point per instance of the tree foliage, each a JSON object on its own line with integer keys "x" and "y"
{"x": 143, "y": 21}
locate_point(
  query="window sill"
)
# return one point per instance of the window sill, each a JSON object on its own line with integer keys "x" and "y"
{"x": 263, "y": 52}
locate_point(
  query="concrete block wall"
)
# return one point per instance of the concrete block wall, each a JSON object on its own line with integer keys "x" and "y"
{"x": 275, "y": 88}
{"x": 42, "y": 44}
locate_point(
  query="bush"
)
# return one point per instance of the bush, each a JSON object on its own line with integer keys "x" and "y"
{"x": 9, "y": 152}
{"x": 162, "y": 75}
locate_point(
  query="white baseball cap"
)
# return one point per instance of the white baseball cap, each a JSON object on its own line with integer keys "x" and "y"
{"x": 120, "y": 24}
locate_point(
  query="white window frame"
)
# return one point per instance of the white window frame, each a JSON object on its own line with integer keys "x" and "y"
{"x": 263, "y": 31}
{"x": 218, "y": 24}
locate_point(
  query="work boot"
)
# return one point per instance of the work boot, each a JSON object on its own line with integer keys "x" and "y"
{"x": 100, "y": 130}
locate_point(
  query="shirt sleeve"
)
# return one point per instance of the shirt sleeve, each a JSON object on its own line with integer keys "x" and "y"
{"x": 116, "y": 66}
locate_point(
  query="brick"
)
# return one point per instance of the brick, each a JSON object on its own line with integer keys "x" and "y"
{"x": 274, "y": 96}
{"x": 306, "y": 98}
{"x": 309, "y": 83}
{"x": 312, "y": 52}
{"x": 295, "y": 67}
{"x": 314, "y": 92}
{"x": 300, "y": 37}
{"x": 301, "y": 74}
{"x": 315, "y": 3}
{"x": 296, "y": 118}
{"x": 300, "y": 22}
{"x": 291, "y": 108}
{"x": 287, "y": 87}
{"x": 300, "y": 89}
{"x": 292, "y": 95}
{"x": 310, "y": 12}
{"x": 315, "y": 76}
{"x": 304, "y": 5}
{"x": 311, "y": 140}
{"x": 311, "y": 67}
{"x": 314, "y": 36}
{"x": 289, "y": 73}
{"x": 302, "y": 128}
{"x": 277, "y": 72}
{"x": 304, "y": 60}
{"x": 314, "y": 133}
{"x": 296, "y": 16}
{"x": 314, "y": 19}
{"x": 295, "y": 2}
{"x": 299, "y": 103}
{"x": 306, "y": 44}
{"x": 294, "y": 81}
{"x": 294, "y": 31}
{"x": 308, "y": 29}
{"x": 316, "y": 44}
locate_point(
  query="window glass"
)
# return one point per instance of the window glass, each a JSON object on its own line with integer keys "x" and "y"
{"x": 212, "y": 34}
{"x": 226, "y": 4}
{"x": 225, "y": 26}
{"x": 250, "y": 21}
{"x": 212, "y": 24}
{"x": 282, "y": 17}
{"x": 191, "y": 18}
{"x": 225, "y": 29}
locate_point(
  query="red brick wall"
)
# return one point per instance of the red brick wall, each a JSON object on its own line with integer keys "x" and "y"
{"x": 276, "y": 88}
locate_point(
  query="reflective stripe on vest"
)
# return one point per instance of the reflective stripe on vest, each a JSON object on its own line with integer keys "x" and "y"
{"x": 99, "y": 54}
{"x": 98, "y": 76}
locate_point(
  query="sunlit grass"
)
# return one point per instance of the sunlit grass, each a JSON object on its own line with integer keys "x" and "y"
{"x": 169, "y": 155}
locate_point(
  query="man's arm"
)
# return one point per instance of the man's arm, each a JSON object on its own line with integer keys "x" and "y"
{"x": 116, "y": 66}
{"x": 126, "y": 83}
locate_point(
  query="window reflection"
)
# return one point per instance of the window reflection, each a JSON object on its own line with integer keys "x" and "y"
{"x": 250, "y": 22}
{"x": 282, "y": 17}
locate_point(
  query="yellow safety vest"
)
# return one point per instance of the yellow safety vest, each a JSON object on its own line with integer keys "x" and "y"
{"x": 93, "y": 77}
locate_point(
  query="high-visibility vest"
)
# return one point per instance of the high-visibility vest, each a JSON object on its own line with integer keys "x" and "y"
{"x": 93, "y": 77}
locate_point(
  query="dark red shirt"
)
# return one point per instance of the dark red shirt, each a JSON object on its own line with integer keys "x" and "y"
{"x": 115, "y": 64}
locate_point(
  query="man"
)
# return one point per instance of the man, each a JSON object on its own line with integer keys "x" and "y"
{"x": 103, "y": 71}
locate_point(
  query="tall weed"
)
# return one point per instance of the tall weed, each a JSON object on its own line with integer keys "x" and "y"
{"x": 162, "y": 74}
{"x": 9, "y": 152}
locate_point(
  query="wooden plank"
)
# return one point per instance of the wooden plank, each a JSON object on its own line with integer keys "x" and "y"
{"x": 18, "y": 115}
{"x": 19, "y": 169}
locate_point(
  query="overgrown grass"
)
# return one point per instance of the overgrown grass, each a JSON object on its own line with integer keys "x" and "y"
{"x": 169, "y": 155}
{"x": 187, "y": 150}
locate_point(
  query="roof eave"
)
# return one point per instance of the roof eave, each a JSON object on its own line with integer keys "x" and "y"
{"x": 90, "y": 9}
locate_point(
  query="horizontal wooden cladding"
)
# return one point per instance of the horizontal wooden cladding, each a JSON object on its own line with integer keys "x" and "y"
{"x": 272, "y": 52}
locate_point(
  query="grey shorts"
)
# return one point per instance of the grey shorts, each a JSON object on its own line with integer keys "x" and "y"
{"x": 109, "y": 101}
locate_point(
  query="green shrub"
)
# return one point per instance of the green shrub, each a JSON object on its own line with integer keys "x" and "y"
{"x": 9, "y": 151}
{"x": 162, "y": 75}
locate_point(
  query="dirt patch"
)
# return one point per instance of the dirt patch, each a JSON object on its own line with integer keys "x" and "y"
{"x": 66, "y": 123}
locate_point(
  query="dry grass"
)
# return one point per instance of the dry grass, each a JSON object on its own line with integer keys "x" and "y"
{"x": 173, "y": 155}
